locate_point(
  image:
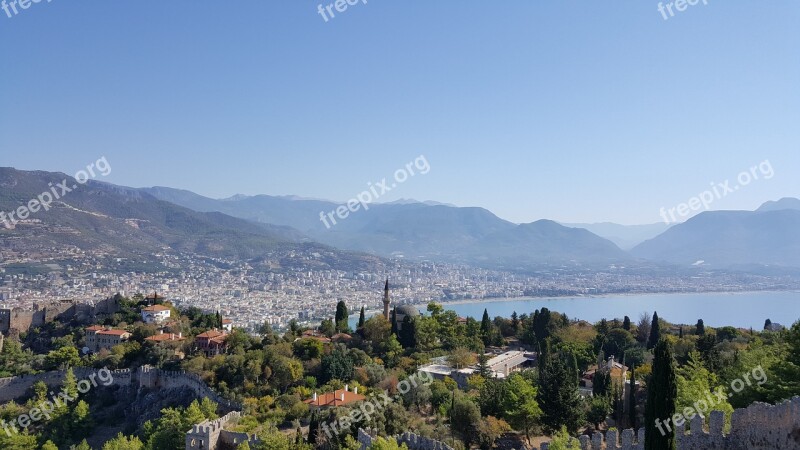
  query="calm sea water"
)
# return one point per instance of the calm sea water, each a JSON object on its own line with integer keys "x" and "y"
{"x": 742, "y": 310}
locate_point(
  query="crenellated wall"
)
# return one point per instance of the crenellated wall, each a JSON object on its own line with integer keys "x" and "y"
{"x": 209, "y": 434}
{"x": 150, "y": 377}
{"x": 413, "y": 441}
{"x": 758, "y": 427}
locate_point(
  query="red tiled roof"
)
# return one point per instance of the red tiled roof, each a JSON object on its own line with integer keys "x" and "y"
{"x": 155, "y": 308}
{"x": 165, "y": 337}
{"x": 335, "y": 398}
{"x": 95, "y": 328}
{"x": 210, "y": 334}
{"x": 113, "y": 332}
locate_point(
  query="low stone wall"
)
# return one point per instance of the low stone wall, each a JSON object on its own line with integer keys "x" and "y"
{"x": 758, "y": 427}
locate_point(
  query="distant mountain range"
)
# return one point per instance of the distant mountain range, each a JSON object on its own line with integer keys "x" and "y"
{"x": 124, "y": 220}
{"x": 625, "y": 236}
{"x": 418, "y": 230}
{"x": 769, "y": 236}
{"x": 121, "y": 221}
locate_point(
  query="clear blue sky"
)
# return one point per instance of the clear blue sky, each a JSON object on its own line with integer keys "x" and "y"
{"x": 568, "y": 110}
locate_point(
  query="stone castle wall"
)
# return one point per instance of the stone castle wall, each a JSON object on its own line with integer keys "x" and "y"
{"x": 412, "y": 440}
{"x": 16, "y": 387}
{"x": 144, "y": 377}
{"x": 757, "y": 427}
{"x": 211, "y": 434}
{"x": 157, "y": 378}
{"x": 21, "y": 320}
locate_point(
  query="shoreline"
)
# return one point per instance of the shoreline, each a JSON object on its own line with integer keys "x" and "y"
{"x": 600, "y": 296}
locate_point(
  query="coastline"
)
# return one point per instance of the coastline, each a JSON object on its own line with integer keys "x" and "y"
{"x": 601, "y": 296}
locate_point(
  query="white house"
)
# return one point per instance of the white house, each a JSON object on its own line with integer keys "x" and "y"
{"x": 155, "y": 314}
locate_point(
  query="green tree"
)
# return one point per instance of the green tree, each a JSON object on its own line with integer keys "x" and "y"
{"x": 486, "y": 327}
{"x": 381, "y": 443}
{"x": 694, "y": 382}
{"x": 122, "y": 442}
{"x": 461, "y": 357}
{"x": 337, "y": 365}
{"x": 784, "y": 375}
{"x": 82, "y": 446}
{"x": 49, "y": 445}
{"x": 63, "y": 358}
{"x": 361, "y": 319}
{"x": 563, "y": 441}
{"x": 558, "y": 396}
{"x": 601, "y": 382}
{"x": 655, "y": 332}
{"x": 662, "y": 393}
{"x": 599, "y": 409}
{"x": 700, "y": 328}
{"x": 522, "y": 410}
{"x": 342, "y": 315}
{"x": 626, "y": 323}
{"x": 465, "y": 417}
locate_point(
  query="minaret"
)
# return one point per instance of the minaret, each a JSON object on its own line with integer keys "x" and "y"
{"x": 386, "y": 300}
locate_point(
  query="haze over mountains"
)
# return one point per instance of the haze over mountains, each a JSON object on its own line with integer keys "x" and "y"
{"x": 769, "y": 236}
{"x": 120, "y": 219}
{"x": 418, "y": 230}
{"x": 124, "y": 222}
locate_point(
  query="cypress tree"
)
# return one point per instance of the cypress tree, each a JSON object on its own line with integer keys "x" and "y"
{"x": 313, "y": 427}
{"x": 361, "y": 318}
{"x": 655, "y": 332}
{"x": 394, "y": 320}
{"x": 701, "y": 328}
{"x": 626, "y": 323}
{"x": 662, "y": 391}
{"x": 680, "y": 333}
{"x": 486, "y": 326}
{"x": 341, "y": 316}
{"x": 515, "y": 322}
{"x": 632, "y": 399}
{"x": 558, "y": 396}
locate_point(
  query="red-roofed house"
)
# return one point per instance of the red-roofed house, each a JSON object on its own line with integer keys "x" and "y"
{"x": 98, "y": 338}
{"x": 339, "y": 397}
{"x": 211, "y": 342}
{"x": 165, "y": 337}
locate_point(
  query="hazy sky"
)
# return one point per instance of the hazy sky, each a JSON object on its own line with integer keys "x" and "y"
{"x": 568, "y": 110}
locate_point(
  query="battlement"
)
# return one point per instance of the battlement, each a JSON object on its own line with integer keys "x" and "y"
{"x": 209, "y": 434}
{"x": 412, "y": 440}
{"x": 758, "y": 427}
